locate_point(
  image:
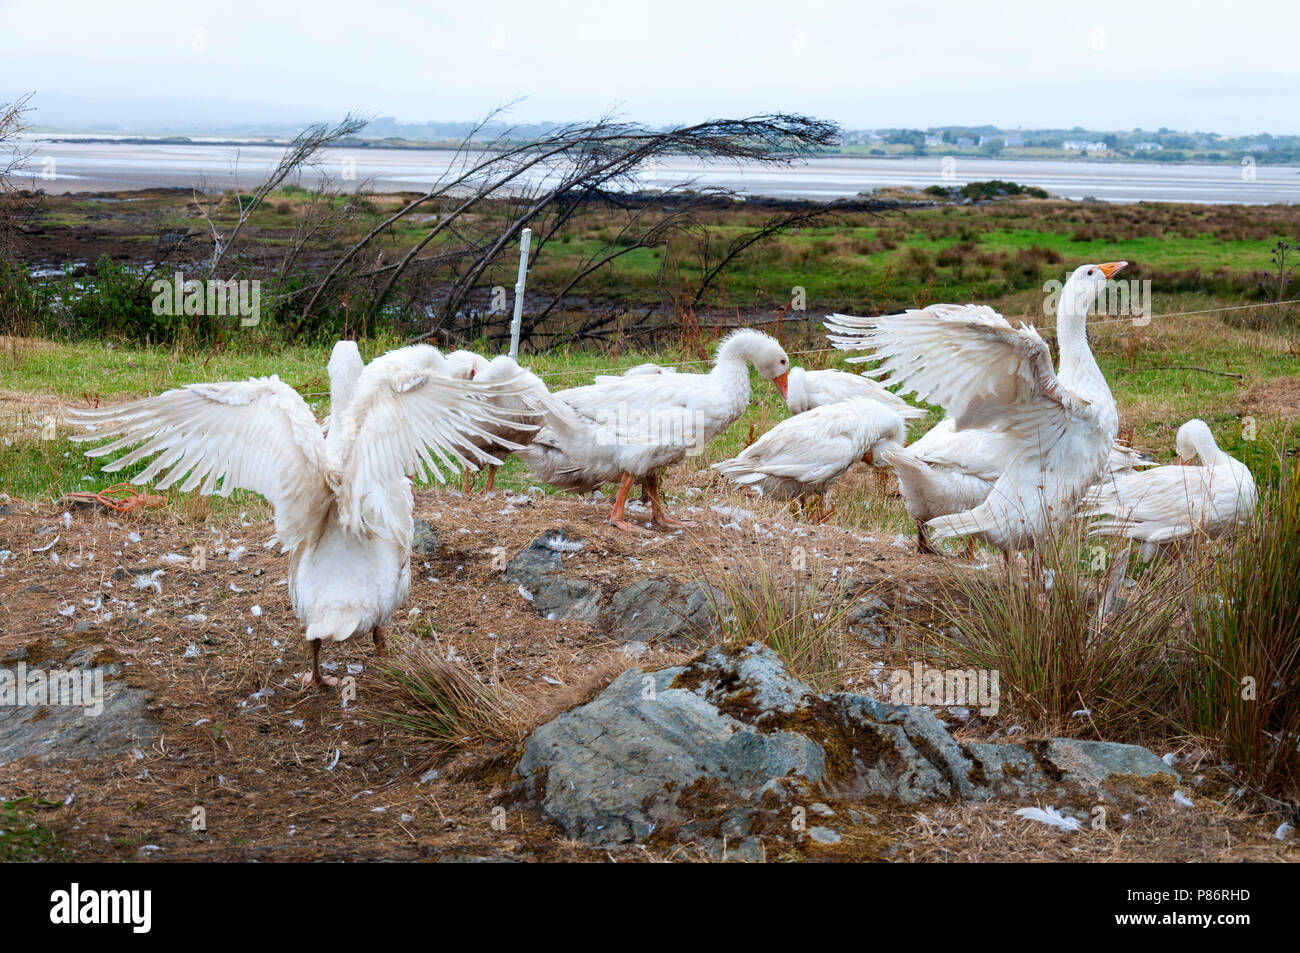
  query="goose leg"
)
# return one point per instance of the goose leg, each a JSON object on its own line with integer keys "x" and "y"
{"x": 657, "y": 515}
{"x": 469, "y": 482}
{"x": 492, "y": 477}
{"x": 620, "y": 501}
{"x": 381, "y": 643}
{"x": 316, "y": 677}
{"x": 923, "y": 544}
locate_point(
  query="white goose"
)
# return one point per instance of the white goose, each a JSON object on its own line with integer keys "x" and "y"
{"x": 631, "y": 427}
{"x": 1060, "y": 424}
{"x": 343, "y": 503}
{"x": 519, "y": 408}
{"x": 950, "y": 470}
{"x": 802, "y": 456}
{"x": 809, "y": 389}
{"x": 1171, "y": 503}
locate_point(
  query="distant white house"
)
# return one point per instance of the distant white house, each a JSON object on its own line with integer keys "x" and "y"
{"x": 1146, "y": 146}
{"x": 965, "y": 142}
{"x": 1080, "y": 145}
{"x": 1013, "y": 140}
{"x": 934, "y": 140}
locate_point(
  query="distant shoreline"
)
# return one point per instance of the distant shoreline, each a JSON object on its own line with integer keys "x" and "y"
{"x": 1007, "y": 155}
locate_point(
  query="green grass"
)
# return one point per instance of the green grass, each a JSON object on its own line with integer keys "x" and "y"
{"x": 22, "y": 835}
{"x": 1154, "y": 400}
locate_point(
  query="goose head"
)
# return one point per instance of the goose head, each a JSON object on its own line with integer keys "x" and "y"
{"x": 1084, "y": 285}
{"x": 761, "y": 350}
{"x": 1195, "y": 441}
{"x": 465, "y": 365}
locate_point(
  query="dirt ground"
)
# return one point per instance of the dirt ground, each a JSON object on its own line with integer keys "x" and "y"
{"x": 286, "y": 773}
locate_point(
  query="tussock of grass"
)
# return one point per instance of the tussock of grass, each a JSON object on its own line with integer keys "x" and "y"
{"x": 795, "y": 611}
{"x": 1242, "y": 673}
{"x": 1055, "y": 654}
{"x": 441, "y": 705}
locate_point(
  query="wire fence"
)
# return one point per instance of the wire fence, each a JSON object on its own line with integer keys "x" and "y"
{"x": 1092, "y": 322}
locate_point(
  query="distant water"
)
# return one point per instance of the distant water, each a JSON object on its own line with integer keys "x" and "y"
{"x": 99, "y": 166}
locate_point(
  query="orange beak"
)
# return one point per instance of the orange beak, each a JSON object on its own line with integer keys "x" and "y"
{"x": 783, "y": 384}
{"x": 1110, "y": 267}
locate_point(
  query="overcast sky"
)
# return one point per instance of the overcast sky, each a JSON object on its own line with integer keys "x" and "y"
{"x": 1193, "y": 65}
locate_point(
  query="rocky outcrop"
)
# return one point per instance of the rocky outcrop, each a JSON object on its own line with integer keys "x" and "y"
{"x": 538, "y": 572}
{"x": 654, "y": 608}
{"x": 702, "y": 750}
{"x": 74, "y": 709}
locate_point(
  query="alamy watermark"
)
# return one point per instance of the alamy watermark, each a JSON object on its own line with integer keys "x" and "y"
{"x": 1119, "y": 297}
{"x": 945, "y": 688}
{"x": 21, "y": 687}
{"x": 212, "y": 297}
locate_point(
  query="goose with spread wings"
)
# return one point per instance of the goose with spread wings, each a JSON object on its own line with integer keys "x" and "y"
{"x": 344, "y": 510}
{"x": 1058, "y": 424}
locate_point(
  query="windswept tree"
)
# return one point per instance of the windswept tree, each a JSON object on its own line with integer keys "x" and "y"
{"x": 497, "y": 186}
{"x": 16, "y": 204}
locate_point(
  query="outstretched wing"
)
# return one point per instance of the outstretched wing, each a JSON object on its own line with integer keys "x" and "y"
{"x": 967, "y": 359}
{"x": 254, "y": 435}
{"x": 405, "y": 414}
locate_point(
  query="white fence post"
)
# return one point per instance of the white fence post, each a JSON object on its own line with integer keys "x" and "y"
{"x": 525, "y": 239}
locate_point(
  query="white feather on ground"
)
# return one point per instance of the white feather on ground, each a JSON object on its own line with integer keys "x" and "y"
{"x": 1051, "y": 817}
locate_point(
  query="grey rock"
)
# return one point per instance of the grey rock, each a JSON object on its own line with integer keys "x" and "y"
{"x": 538, "y": 570}
{"x": 701, "y": 751}
{"x": 424, "y": 540}
{"x": 619, "y": 768}
{"x": 660, "y": 608}
{"x": 55, "y": 732}
{"x": 474, "y": 859}
{"x": 748, "y": 850}
{"x": 824, "y": 835}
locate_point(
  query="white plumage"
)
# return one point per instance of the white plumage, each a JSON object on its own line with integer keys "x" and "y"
{"x": 950, "y": 470}
{"x": 1172, "y": 503}
{"x": 1060, "y": 425}
{"x": 520, "y": 408}
{"x": 809, "y": 389}
{"x": 804, "y": 455}
{"x": 343, "y": 502}
{"x": 631, "y": 427}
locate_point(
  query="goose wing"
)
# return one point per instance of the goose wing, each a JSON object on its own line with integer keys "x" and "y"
{"x": 256, "y": 435}
{"x": 969, "y": 360}
{"x": 406, "y": 418}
